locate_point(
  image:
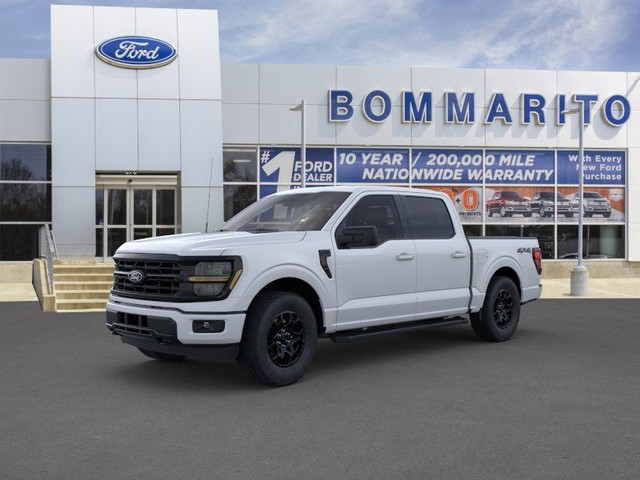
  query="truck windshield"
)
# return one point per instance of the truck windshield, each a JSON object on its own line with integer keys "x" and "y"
{"x": 282, "y": 213}
{"x": 511, "y": 195}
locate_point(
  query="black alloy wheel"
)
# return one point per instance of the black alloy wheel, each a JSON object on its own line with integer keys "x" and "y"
{"x": 279, "y": 338}
{"x": 503, "y": 309}
{"x": 498, "y": 318}
{"x": 285, "y": 339}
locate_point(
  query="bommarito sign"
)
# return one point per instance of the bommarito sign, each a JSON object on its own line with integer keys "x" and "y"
{"x": 459, "y": 108}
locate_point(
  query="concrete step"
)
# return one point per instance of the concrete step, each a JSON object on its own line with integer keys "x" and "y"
{"x": 81, "y": 262}
{"x": 93, "y": 285}
{"x": 82, "y": 294}
{"x": 100, "y": 268}
{"x": 73, "y": 305}
{"x": 83, "y": 277}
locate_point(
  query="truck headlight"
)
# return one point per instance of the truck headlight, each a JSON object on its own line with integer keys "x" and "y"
{"x": 211, "y": 278}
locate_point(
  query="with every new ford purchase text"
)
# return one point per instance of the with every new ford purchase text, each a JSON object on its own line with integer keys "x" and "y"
{"x": 344, "y": 263}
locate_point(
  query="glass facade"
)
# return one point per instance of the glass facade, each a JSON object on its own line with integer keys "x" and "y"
{"x": 132, "y": 212}
{"x": 523, "y": 192}
{"x": 25, "y": 198}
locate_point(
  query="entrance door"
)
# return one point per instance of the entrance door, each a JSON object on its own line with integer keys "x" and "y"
{"x": 132, "y": 211}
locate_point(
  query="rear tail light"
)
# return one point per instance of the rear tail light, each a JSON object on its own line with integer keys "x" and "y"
{"x": 536, "y": 253}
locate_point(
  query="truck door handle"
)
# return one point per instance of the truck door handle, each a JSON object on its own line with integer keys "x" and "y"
{"x": 458, "y": 254}
{"x": 404, "y": 256}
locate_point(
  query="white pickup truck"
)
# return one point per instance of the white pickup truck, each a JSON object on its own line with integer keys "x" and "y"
{"x": 339, "y": 262}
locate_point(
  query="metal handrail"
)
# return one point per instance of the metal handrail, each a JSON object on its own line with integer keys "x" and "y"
{"x": 48, "y": 250}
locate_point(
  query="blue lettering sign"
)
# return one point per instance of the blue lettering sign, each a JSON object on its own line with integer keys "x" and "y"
{"x": 368, "y": 110}
{"x": 624, "y": 106}
{"x": 340, "y": 109}
{"x": 377, "y": 108}
{"x": 601, "y": 167}
{"x": 456, "y": 113}
{"x": 446, "y": 166}
{"x": 533, "y": 167}
{"x": 532, "y": 105}
{"x": 366, "y": 165}
{"x": 587, "y": 101}
{"x": 498, "y": 109}
{"x": 412, "y": 112}
{"x": 561, "y": 106}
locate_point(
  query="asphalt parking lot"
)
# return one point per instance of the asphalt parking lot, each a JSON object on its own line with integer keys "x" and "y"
{"x": 560, "y": 400}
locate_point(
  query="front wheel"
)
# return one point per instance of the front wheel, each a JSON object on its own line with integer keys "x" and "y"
{"x": 498, "y": 319}
{"x": 279, "y": 339}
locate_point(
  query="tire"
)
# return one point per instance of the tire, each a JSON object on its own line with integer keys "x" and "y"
{"x": 527, "y": 214}
{"x": 167, "y": 357}
{"x": 588, "y": 215}
{"x": 606, "y": 215}
{"x": 498, "y": 319}
{"x": 568, "y": 215}
{"x": 279, "y": 339}
{"x": 489, "y": 212}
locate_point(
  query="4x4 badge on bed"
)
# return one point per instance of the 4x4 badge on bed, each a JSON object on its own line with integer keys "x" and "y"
{"x": 136, "y": 276}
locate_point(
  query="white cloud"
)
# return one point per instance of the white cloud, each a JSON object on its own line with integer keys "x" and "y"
{"x": 546, "y": 34}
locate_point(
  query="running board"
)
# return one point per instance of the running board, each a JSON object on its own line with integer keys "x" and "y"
{"x": 362, "y": 333}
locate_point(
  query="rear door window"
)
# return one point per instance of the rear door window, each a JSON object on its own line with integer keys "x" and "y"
{"x": 428, "y": 217}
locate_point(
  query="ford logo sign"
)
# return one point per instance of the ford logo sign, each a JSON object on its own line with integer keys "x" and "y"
{"x": 136, "y": 52}
{"x": 136, "y": 277}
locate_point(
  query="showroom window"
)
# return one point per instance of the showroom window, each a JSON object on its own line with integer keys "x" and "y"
{"x": 25, "y": 198}
{"x": 240, "y": 173}
{"x": 497, "y": 192}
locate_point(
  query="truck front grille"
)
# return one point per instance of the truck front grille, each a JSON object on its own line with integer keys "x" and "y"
{"x": 161, "y": 278}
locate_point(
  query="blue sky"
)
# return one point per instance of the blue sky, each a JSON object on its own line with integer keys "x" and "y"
{"x": 532, "y": 34}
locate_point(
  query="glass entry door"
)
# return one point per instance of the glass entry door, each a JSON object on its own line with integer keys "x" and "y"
{"x": 132, "y": 212}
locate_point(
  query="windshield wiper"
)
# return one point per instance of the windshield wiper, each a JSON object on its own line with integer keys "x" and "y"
{"x": 262, "y": 230}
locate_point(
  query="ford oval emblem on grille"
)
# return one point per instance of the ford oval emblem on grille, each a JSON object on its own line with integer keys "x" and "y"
{"x": 136, "y": 52}
{"x": 136, "y": 276}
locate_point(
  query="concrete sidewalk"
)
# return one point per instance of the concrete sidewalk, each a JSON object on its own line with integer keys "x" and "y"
{"x": 598, "y": 288}
{"x": 552, "y": 288}
{"x": 17, "y": 292}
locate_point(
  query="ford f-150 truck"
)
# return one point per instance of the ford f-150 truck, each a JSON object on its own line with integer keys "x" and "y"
{"x": 340, "y": 262}
{"x": 508, "y": 203}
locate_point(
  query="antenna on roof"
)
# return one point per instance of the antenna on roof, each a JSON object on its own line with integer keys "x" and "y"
{"x": 206, "y": 223}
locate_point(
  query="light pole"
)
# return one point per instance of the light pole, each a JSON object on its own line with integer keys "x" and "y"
{"x": 302, "y": 107}
{"x": 580, "y": 274}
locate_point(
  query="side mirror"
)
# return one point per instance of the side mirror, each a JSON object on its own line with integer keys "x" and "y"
{"x": 364, "y": 236}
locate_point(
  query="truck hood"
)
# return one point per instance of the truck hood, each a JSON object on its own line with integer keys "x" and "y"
{"x": 206, "y": 244}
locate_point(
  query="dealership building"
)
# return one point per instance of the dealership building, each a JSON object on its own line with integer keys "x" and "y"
{"x": 134, "y": 129}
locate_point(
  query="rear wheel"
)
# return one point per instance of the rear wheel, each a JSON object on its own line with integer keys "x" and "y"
{"x": 498, "y": 319}
{"x": 279, "y": 339}
{"x": 167, "y": 357}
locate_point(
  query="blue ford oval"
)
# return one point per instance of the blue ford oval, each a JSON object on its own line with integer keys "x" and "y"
{"x": 136, "y": 52}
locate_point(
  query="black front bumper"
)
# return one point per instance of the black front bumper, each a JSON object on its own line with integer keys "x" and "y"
{"x": 159, "y": 334}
